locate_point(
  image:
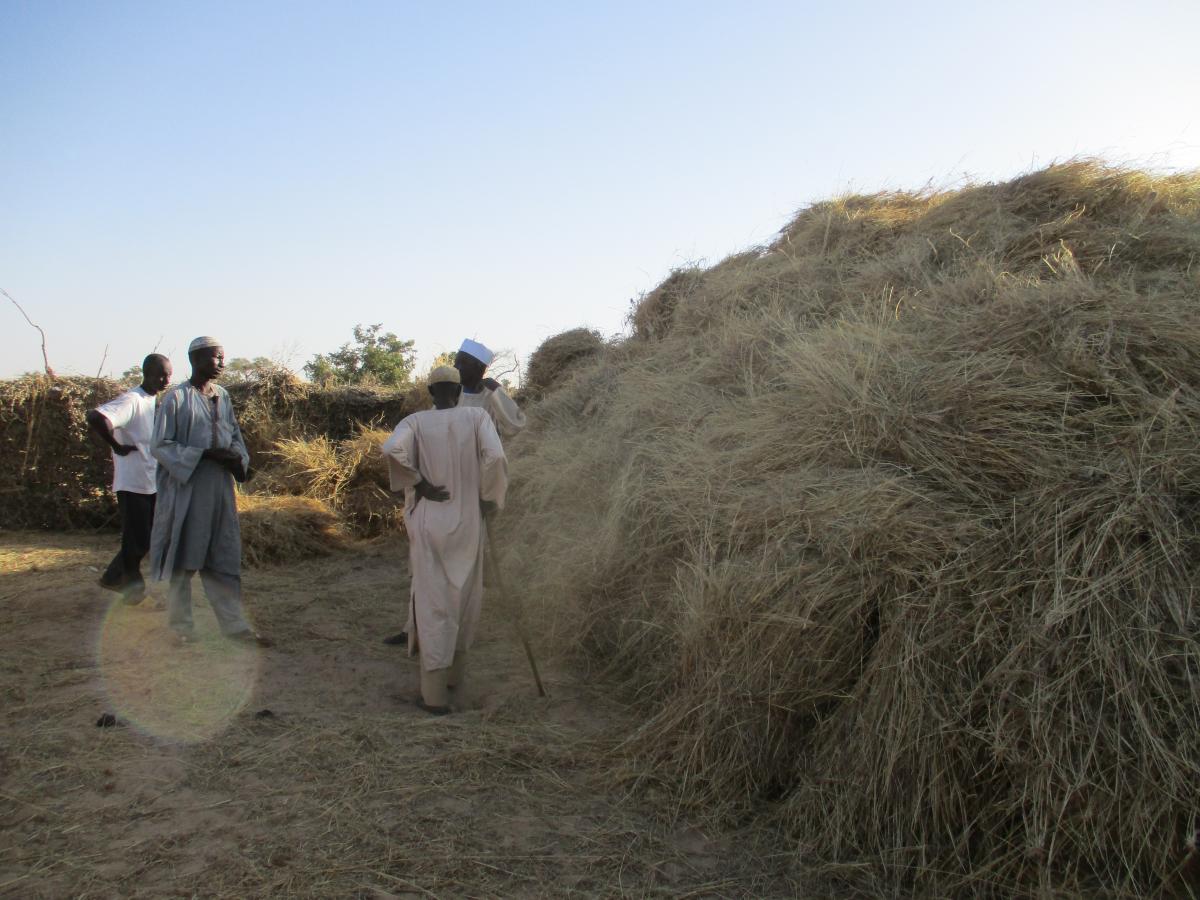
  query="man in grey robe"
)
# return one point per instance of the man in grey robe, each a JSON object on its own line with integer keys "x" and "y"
{"x": 200, "y": 452}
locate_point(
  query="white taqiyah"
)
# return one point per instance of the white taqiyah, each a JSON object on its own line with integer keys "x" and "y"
{"x": 442, "y": 374}
{"x": 203, "y": 343}
{"x": 477, "y": 350}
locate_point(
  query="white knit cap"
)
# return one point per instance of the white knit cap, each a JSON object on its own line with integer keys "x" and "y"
{"x": 203, "y": 343}
{"x": 443, "y": 374}
{"x": 477, "y": 350}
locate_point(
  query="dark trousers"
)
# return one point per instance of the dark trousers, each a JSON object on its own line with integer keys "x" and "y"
{"x": 137, "y": 521}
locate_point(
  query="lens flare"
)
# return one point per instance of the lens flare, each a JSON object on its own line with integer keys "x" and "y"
{"x": 183, "y": 693}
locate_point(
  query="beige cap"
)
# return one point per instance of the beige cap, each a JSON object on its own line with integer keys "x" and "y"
{"x": 203, "y": 343}
{"x": 442, "y": 374}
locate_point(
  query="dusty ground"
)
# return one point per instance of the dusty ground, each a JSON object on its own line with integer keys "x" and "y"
{"x": 345, "y": 789}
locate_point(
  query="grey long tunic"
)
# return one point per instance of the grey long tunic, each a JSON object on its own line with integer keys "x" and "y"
{"x": 195, "y": 521}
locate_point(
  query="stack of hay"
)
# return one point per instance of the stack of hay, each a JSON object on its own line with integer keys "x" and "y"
{"x": 349, "y": 476}
{"x": 893, "y": 528}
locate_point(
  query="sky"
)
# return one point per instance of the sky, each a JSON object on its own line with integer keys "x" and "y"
{"x": 275, "y": 173}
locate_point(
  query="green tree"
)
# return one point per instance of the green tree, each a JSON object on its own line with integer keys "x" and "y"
{"x": 372, "y": 358}
{"x": 242, "y": 369}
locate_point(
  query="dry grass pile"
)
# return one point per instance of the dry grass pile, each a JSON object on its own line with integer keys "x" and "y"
{"x": 286, "y": 529}
{"x": 349, "y": 475}
{"x": 51, "y": 474}
{"x": 557, "y": 358}
{"x": 892, "y": 526}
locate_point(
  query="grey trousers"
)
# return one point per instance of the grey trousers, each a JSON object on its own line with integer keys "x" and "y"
{"x": 224, "y": 596}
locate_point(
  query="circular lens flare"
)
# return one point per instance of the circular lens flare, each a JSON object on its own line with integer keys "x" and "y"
{"x": 182, "y": 693}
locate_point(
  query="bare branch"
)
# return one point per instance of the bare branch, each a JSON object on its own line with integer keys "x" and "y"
{"x": 103, "y": 360}
{"x": 45, "y": 358}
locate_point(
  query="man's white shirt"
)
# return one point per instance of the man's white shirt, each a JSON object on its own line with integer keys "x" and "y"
{"x": 132, "y": 418}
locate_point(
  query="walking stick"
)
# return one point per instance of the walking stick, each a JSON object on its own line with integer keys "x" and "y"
{"x": 513, "y": 604}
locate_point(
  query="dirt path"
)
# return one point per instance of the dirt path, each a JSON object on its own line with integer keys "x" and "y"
{"x": 345, "y": 789}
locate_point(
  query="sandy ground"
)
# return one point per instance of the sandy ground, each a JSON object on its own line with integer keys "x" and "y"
{"x": 344, "y": 788}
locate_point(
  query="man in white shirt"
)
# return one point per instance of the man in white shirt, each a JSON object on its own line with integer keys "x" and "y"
{"x": 126, "y": 424}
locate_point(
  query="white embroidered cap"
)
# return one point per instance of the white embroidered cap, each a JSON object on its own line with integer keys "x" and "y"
{"x": 203, "y": 343}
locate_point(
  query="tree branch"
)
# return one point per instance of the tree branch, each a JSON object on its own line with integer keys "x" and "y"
{"x": 45, "y": 358}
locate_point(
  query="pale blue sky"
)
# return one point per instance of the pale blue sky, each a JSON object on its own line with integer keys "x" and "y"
{"x": 274, "y": 173}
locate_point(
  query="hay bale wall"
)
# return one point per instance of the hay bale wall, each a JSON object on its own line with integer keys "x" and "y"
{"x": 53, "y": 475}
{"x": 892, "y": 530}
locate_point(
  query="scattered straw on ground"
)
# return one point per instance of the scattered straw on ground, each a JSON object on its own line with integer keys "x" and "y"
{"x": 345, "y": 789}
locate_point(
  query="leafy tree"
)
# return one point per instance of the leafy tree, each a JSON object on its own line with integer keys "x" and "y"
{"x": 242, "y": 369}
{"x": 373, "y": 358}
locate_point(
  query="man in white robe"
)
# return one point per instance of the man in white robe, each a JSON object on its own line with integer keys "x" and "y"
{"x": 450, "y": 464}
{"x": 200, "y": 453}
{"x": 472, "y": 361}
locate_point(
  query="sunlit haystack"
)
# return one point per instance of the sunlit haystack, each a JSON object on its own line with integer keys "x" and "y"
{"x": 893, "y": 525}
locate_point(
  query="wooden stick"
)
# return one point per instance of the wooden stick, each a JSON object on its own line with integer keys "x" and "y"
{"x": 513, "y": 604}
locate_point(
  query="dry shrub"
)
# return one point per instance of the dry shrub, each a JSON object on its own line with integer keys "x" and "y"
{"x": 286, "y": 529}
{"x": 895, "y": 528}
{"x": 555, "y": 359}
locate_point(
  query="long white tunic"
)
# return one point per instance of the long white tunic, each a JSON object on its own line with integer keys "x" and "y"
{"x": 459, "y": 450}
{"x": 195, "y": 521}
{"x": 506, "y": 415}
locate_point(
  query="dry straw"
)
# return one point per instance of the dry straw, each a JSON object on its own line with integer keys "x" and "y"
{"x": 556, "y": 358}
{"x": 350, "y": 476}
{"x": 891, "y": 527}
{"x": 286, "y": 529}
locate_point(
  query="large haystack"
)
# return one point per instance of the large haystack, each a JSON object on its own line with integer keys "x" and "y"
{"x": 893, "y": 528}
